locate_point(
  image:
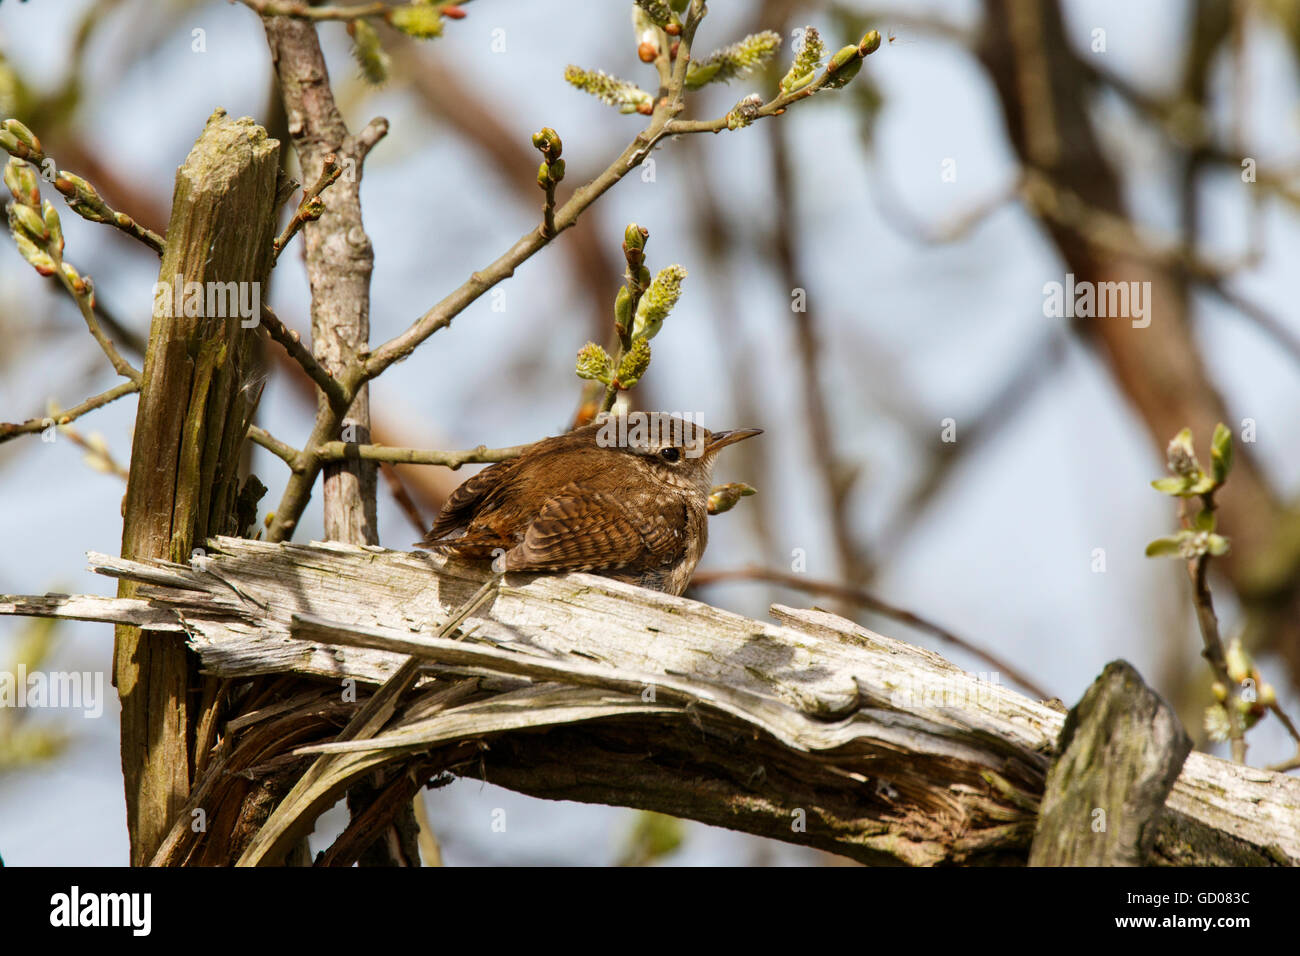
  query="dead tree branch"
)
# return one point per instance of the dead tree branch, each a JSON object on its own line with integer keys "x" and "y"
{"x": 812, "y": 730}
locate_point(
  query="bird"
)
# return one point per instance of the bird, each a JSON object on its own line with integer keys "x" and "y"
{"x": 626, "y": 497}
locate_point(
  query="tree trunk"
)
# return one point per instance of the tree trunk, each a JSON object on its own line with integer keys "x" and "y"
{"x": 196, "y": 401}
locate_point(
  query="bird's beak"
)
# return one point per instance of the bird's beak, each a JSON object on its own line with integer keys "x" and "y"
{"x": 722, "y": 439}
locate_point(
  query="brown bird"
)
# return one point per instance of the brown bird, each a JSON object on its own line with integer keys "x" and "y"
{"x": 625, "y": 497}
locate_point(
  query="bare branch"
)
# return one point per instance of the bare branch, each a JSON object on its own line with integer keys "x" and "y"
{"x": 339, "y": 451}
{"x": 311, "y": 206}
{"x": 286, "y": 453}
{"x": 894, "y": 754}
{"x": 33, "y": 425}
{"x": 292, "y": 344}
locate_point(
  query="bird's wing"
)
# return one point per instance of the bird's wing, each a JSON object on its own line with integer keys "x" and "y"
{"x": 460, "y": 507}
{"x": 581, "y": 530}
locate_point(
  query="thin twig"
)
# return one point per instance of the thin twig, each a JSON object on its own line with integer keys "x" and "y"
{"x": 311, "y": 206}
{"x": 1294, "y": 762}
{"x": 302, "y": 11}
{"x": 372, "y": 363}
{"x": 661, "y": 125}
{"x": 856, "y": 596}
{"x": 107, "y": 463}
{"x": 548, "y": 210}
{"x": 286, "y": 453}
{"x": 292, "y": 343}
{"x": 339, "y": 451}
{"x": 8, "y": 430}
{"x": 86, "y": 202}
{"x": 85, "y": 303}
{"x": 1198, "y": 570}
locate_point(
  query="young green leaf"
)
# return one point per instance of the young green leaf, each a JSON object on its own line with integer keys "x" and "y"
{"x": 1172, "y": 486}
{"x": 1221, "y": 452}
{"x": 1168, "y": 547}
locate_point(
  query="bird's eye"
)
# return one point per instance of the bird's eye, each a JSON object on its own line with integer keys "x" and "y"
{"x": 670, "y": 453}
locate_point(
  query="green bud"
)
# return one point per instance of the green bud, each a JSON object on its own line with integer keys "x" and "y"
{"x": 634, "y": 240}
{"x": 417, "y": 20}
{"x": 544, "y": 176}
{"x": 23, "y": 135}
{"x": 843, "y": 67}
{"x": 20, "y": 177}
{"x": 1238, "y": 660}
{"x": 82, "y": 198}
{"x": 29, "y": 221}
{"x": 658, "y": 301}
{"x": 869, "y": 43}
{"x": 623, "y": 310}
{"x": 1217, "y": 545}
{"x": 594, "y": 363}
{"x": 634, "y": 237}
{"x": 53, "y": 227}
{"x": 1221, "y": 453}
{"x": 634, "y": 364}
{"x": 8, "y": 141}
{"x": 34, "y": 254}
{"x": 725, "y": 497}
{"x": 841, "y": 57}
{"x": 557, "y": 170}
{"x": 548, "y": 141}
{"x": 369, "y": 52}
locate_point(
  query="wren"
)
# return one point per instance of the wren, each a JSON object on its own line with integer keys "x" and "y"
{"x": 625, "y": 497}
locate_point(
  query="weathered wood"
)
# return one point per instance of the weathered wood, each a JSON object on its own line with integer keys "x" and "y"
{"x": 196, "y": 402}
{"x": 1120, "y": 751}
{"x": 812, "y": 730}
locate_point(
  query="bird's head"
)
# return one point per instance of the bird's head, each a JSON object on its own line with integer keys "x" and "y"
{"x": 675, "y": 451}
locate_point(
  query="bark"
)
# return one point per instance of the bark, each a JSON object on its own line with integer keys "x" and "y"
{"x": 811, "y": 730}
{"x": 1120, "y": 753}
{"x": 196, "y": 401}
